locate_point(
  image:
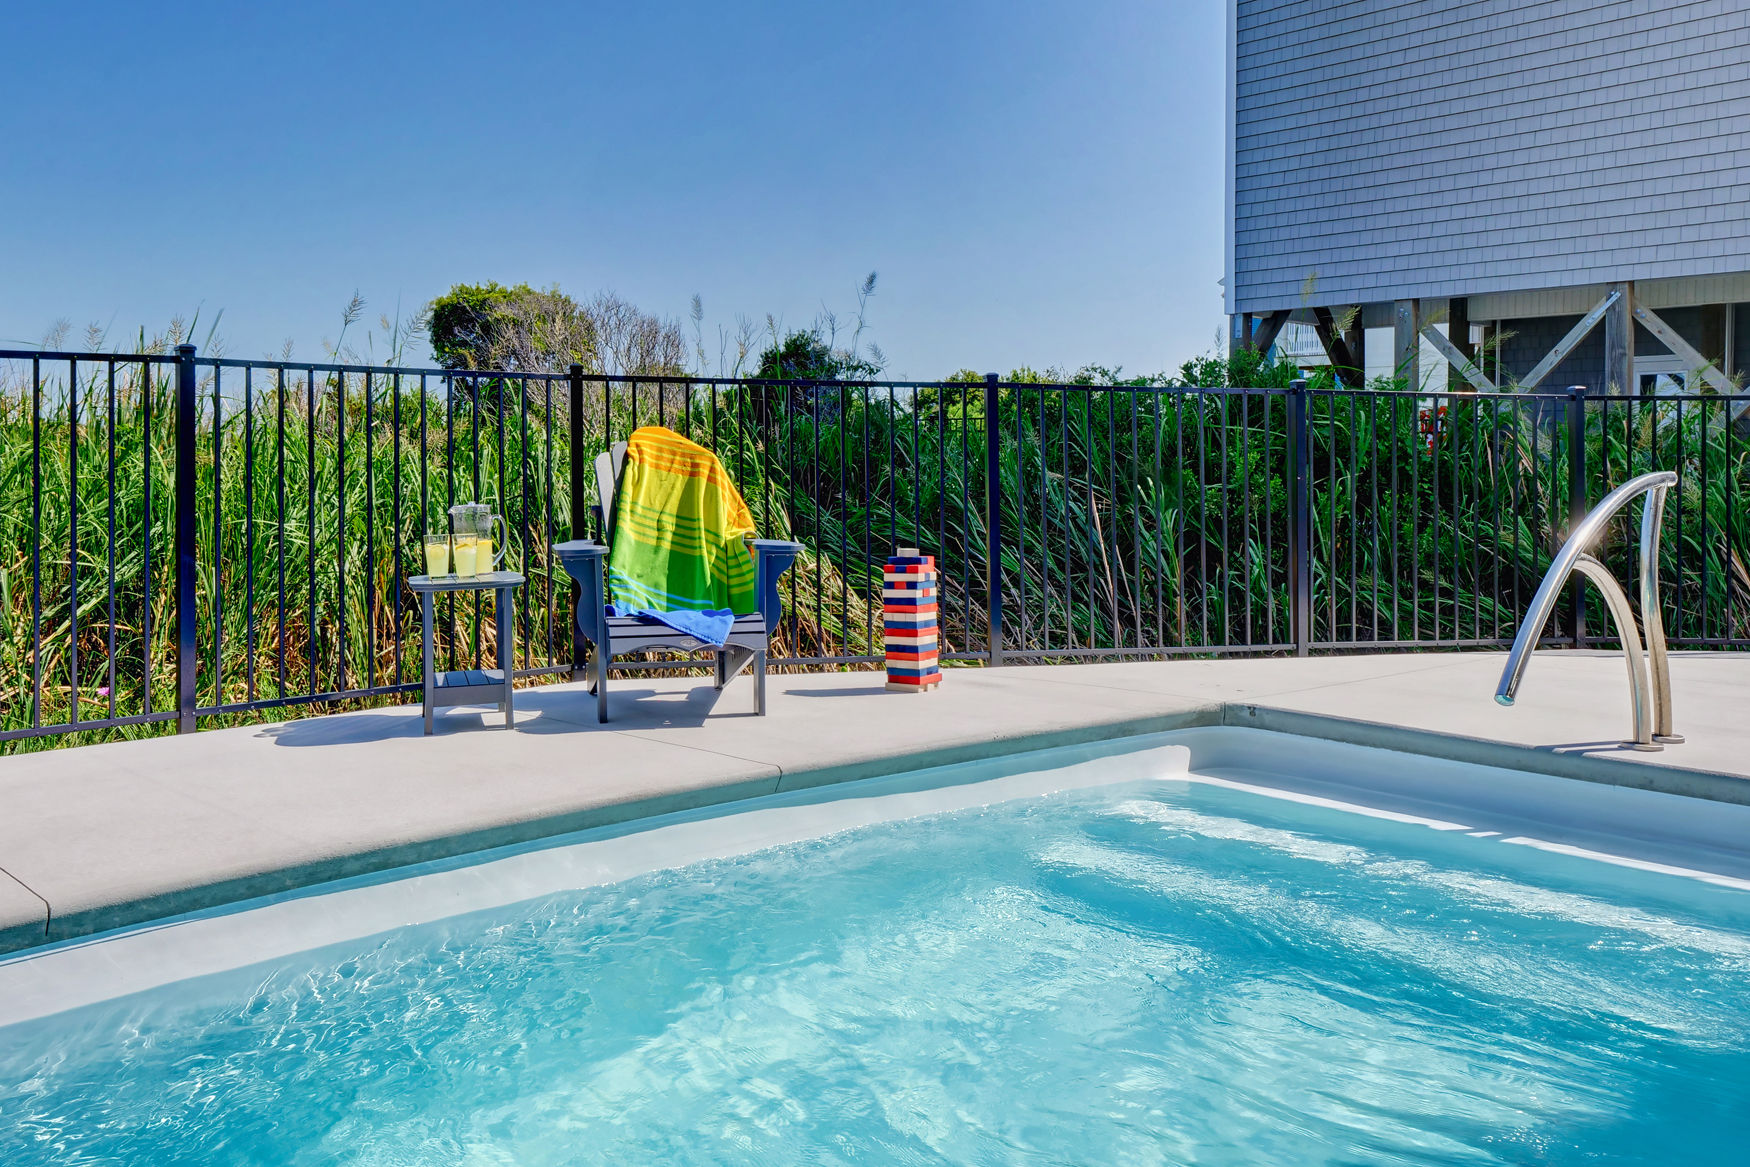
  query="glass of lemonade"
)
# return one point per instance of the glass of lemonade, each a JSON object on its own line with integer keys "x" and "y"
{"x": 467, "y": 552}
{"x": 437, "y": 555}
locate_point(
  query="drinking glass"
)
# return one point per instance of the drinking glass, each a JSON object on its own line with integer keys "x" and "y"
{"x": 437, "y": 555}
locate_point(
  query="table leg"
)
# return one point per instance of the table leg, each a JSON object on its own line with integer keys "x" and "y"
{"x": 507, "y": 651}
{"x": 425, "y": 614}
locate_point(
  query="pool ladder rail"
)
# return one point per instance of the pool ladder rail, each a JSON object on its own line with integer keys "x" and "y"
{"x": 1649, "y": 673}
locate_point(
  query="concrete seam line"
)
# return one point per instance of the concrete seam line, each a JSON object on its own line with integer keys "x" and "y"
{"x": 48, "y": 908}
{"x": 33, "y": 891}
{"x": 636, "y": 735}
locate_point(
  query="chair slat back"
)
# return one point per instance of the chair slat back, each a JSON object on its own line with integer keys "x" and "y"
{"x": 608, "y": 465}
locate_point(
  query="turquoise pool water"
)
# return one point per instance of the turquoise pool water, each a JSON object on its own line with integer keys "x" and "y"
{"x": 1157, "y": 973}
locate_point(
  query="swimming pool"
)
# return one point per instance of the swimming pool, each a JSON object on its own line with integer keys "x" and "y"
{"x": 1211, "y": 946}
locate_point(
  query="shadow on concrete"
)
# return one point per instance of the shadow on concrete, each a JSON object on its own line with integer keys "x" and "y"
{"x": 345, "y": 729}
{"x": 859, "y": 691}
{"x": 1616, "y": 745}
{"x": 353, "y": 728}
{"x": 574, "y": 709}
{"x": 543, "y": 711}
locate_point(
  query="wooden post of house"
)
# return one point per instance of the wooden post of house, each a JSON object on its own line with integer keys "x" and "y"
{"x": 1407, "y": 342}
{"x": 1458, "y": 333}
{"x": 1619, "y": 343}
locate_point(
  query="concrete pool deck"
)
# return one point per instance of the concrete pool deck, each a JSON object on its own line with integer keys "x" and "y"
{"x": 105, "y": 836}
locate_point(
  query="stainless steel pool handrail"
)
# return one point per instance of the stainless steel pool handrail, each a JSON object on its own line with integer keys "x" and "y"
{"x": 1649, "y": 679}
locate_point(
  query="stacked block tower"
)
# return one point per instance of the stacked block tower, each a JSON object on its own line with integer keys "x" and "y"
{"x": 908, "y": 607}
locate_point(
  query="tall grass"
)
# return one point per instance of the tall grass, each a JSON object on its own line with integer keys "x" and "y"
{"x": 1136, "y": 518}
{"x": 313, "y": 490}
{"x": 1155, "y": 518}
{"x": 312, "y": 494}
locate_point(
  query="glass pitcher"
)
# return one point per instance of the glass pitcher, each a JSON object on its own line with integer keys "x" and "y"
{"x": 472, "y": 542}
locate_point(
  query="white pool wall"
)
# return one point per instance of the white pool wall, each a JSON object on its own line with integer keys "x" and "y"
{"x": 1693, "y": 834}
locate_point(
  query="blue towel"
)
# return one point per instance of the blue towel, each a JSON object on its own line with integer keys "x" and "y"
{"x": 708, "y": 627}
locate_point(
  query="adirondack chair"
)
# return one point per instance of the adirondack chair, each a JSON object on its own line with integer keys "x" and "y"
{"x": 610, "y": 636}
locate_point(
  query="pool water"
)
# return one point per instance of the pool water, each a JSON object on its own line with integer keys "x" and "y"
{"x": 1162, "y": 972}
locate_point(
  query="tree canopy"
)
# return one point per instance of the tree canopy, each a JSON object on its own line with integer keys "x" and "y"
{"x": 524, "y": 329}
{"x": 806, "y": 354}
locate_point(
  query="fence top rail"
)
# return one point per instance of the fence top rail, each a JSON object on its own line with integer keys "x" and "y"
{"x": 669, "y": 380}
{"x": 379, "y": 370}
{"x": 662, "y": 379}
{"x": 12, "y": 354}
{"x": 675, "y": 379}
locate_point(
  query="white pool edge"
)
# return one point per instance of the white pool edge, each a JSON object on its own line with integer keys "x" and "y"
{"x": 1645, "y": 830}
{"x": 77, "y": 972}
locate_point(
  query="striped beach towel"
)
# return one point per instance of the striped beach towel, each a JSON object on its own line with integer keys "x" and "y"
{"x": 679, "y": 525}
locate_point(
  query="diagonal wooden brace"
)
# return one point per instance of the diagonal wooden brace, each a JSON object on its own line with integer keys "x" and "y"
{"x": 1457, "y": 359}
{"x": 1567, "y": 344}
{"x": 1681, "y": 348}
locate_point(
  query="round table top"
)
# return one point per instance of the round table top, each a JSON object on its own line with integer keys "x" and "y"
{"x": 466, "y": 583}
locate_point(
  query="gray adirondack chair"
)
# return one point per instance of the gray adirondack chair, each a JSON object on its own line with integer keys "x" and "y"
{"x": 610, "y": 636}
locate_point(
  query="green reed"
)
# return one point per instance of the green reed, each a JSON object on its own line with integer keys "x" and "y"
{"x": 1139, "y": 518}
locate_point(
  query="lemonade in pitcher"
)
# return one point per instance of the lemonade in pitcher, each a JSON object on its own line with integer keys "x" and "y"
{"x": 467, "y": 552}
{"x": 472, "y": 525}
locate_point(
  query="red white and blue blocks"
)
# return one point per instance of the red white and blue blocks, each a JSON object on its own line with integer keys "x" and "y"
{"x": 908, "y": 614}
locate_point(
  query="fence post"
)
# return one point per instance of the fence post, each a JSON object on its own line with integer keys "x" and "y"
{"x": 579, "y": 505}
{"x": 993, "y": 496}
{"x": 1576, "y": 410}
{"x": 1300, "y": 517}
{"x": 187, "y": 424}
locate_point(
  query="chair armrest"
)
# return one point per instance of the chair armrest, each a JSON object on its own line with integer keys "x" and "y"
{"x": 772, "y": 558}
{"x": 581, "y": 557}
{"x": 583, "y": 561}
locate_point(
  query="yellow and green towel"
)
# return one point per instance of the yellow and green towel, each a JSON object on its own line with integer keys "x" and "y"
{"x": 679, "y": 526}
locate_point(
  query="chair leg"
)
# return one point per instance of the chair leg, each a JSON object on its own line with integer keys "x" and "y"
{"x": 507, "y": 653}
{"x": 759, "y": 682}
{"x": 730, "y": 662}
{"x": 601, "y": 684}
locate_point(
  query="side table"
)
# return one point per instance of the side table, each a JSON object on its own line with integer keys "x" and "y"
{"x": 471, "y": 686}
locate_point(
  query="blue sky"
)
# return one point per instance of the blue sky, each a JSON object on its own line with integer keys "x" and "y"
{"x": 1037, "y": 184}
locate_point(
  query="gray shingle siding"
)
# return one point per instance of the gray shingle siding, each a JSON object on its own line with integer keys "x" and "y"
{"x": 1436, "y": 149}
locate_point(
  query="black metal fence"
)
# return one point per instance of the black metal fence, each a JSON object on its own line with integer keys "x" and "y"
{"x": 185, "y": 537}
